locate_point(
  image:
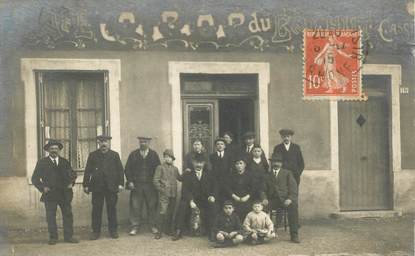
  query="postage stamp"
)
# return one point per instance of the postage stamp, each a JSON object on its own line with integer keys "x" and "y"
{"x": 332, "y": 64}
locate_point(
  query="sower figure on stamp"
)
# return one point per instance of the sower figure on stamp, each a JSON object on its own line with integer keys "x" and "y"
{"x": 200, "y": 191}
{"x": 139, "y": 171}
{"x": 292, "y": 158}
{"x": 281, "y": 191}
{"x": 104, "y": 177}
{"x": 54, "y": 178}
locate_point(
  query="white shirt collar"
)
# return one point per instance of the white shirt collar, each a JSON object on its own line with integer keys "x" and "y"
{"x": 287, "y": 146}
{"x": 257, "y": 160}
{"x": 56, "y": 159}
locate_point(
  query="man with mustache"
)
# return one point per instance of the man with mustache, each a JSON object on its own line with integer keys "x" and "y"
{"x": 54, "y": 178}
{"x": 104, "y": 177}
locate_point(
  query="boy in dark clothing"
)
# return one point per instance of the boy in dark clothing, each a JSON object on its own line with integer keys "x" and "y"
{"x": 227, "y": 228}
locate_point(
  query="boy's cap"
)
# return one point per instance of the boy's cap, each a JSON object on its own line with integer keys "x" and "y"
{"x": 276, "y": 158}
{"x": 228, "y": 202}
{"x": 240, "y": 157}
{"x": 220, "y": 139}
{"x": 198, "y": 158}
{"x": 169, "y": 152}
{"x": 286, "y": 132}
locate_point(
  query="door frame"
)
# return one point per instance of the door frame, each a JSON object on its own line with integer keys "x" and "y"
{"x": 262, "y": 69}
{"x": 394, "y": 71}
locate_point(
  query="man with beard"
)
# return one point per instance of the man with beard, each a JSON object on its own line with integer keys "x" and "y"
{"x": 104, "y": 177}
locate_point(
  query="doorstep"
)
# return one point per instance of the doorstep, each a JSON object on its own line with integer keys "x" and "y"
{"x": 365, "y": 214}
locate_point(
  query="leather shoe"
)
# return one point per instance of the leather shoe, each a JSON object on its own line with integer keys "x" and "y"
{"x": 52, "y": 241}
{"x": 157, "y": 235}
{"x": 114, "y": 235}
{"x": 295, "y": 239}
{"x": 177, "y": 236}
{"x": 94, "y": 236}
{"x": 72, "y": 240}
{"x": 133, "y": 231}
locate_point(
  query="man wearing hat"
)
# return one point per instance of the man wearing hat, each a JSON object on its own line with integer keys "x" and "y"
{"x": 199, "y": 190}
{"x": 139, "y": 171}
{"x": 291, "y": 154}
{"x": 221, "y": 163}
{"x": 54, "y": 178}
{"x": 104, "y": 177}
{"x": 281, "y": 191}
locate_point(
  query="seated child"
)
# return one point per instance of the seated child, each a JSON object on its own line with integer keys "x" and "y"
{"x": 258, "y": 225}
{"x": 227, "y": 228}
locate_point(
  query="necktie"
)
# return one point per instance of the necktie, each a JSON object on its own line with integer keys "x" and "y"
{"x": 247, "y": 149}
{"x": 54, "y": 162}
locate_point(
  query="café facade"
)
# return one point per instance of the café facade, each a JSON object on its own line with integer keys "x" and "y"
{"x": 75, "y": 69}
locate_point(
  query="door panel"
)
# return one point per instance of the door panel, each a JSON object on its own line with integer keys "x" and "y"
{"x": 200, "y": 122}
{"x": 364, "y": 153}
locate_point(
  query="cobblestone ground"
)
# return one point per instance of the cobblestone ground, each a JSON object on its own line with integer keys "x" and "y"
{"x": 368, "y": 237}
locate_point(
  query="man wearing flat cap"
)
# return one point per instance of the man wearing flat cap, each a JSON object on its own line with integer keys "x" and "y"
{"x": 104, "y": 177}
{"x": 291, "y": 154}
{"x": 281, "y": 192}
{"x": 54, "y": 178}
{"x": 139, "y": 171}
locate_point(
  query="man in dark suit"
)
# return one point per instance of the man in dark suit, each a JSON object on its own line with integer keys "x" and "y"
{"x": 281, "y": 191}
{"x": 54, "y": 178}
{"x": 104, "y": 177}
{"x": 221, "y": 161}
{"x": 199, "y": 190}
{"x": 291, "y": 154}
{"x": 139, "y": 171}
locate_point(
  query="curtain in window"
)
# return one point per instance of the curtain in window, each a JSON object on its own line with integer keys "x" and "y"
{"x": 89, "y": 111}
{"x": 57, "y": 114}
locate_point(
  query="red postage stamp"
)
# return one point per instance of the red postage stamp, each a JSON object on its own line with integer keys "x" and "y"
{"x": 332, "y": 64}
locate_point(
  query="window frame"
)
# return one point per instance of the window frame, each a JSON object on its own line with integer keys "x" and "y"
{"x": 28, "y": 66}
{"x": 40, "y": 94}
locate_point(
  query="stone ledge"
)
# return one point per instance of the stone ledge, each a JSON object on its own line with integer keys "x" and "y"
{"x": 365, "y": 214}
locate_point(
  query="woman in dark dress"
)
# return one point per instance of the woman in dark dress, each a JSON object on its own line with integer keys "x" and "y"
{"x": 197, "y": 150}
{"x": 258, "y": 166}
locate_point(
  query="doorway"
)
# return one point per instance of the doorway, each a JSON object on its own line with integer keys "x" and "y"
{"x": 364, "y": 148}
{"x": 213, "y": 104}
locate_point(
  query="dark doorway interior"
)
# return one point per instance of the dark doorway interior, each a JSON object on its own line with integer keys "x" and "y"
{"x": 236, "y": 116}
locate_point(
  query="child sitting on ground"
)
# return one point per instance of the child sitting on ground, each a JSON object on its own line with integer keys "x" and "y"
{"x": 227, "y": 228}
{"x": 258, "y": 225}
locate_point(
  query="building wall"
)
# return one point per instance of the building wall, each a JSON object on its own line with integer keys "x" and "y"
{"x": 145, "y": 110}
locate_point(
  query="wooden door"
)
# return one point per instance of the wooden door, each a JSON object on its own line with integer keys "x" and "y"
{"x": 200, "y": 121}
{"x": 364, "y": 152}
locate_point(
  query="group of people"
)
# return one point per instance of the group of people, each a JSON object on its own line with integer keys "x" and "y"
{"x": 233, "y": 190}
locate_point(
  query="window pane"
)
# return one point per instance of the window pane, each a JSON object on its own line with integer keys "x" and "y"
{"x": 57, "y": 112}
{"x": 89, "y": 111}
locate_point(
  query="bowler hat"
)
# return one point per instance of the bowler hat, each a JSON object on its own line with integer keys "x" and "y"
{"x": 286, "y": 132}
{"x": 220, "y": 139}
{"x": 249, "y": 135}
{"x": 169, "y": 152}
{"x": 144, "y": 138}
{"x": 53, "y": 142}
{"x": 276, "y": 158}
{"x": 103, "y": 137}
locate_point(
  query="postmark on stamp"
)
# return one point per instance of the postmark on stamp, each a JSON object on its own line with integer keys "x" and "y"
{"x": 332, "y": 64}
